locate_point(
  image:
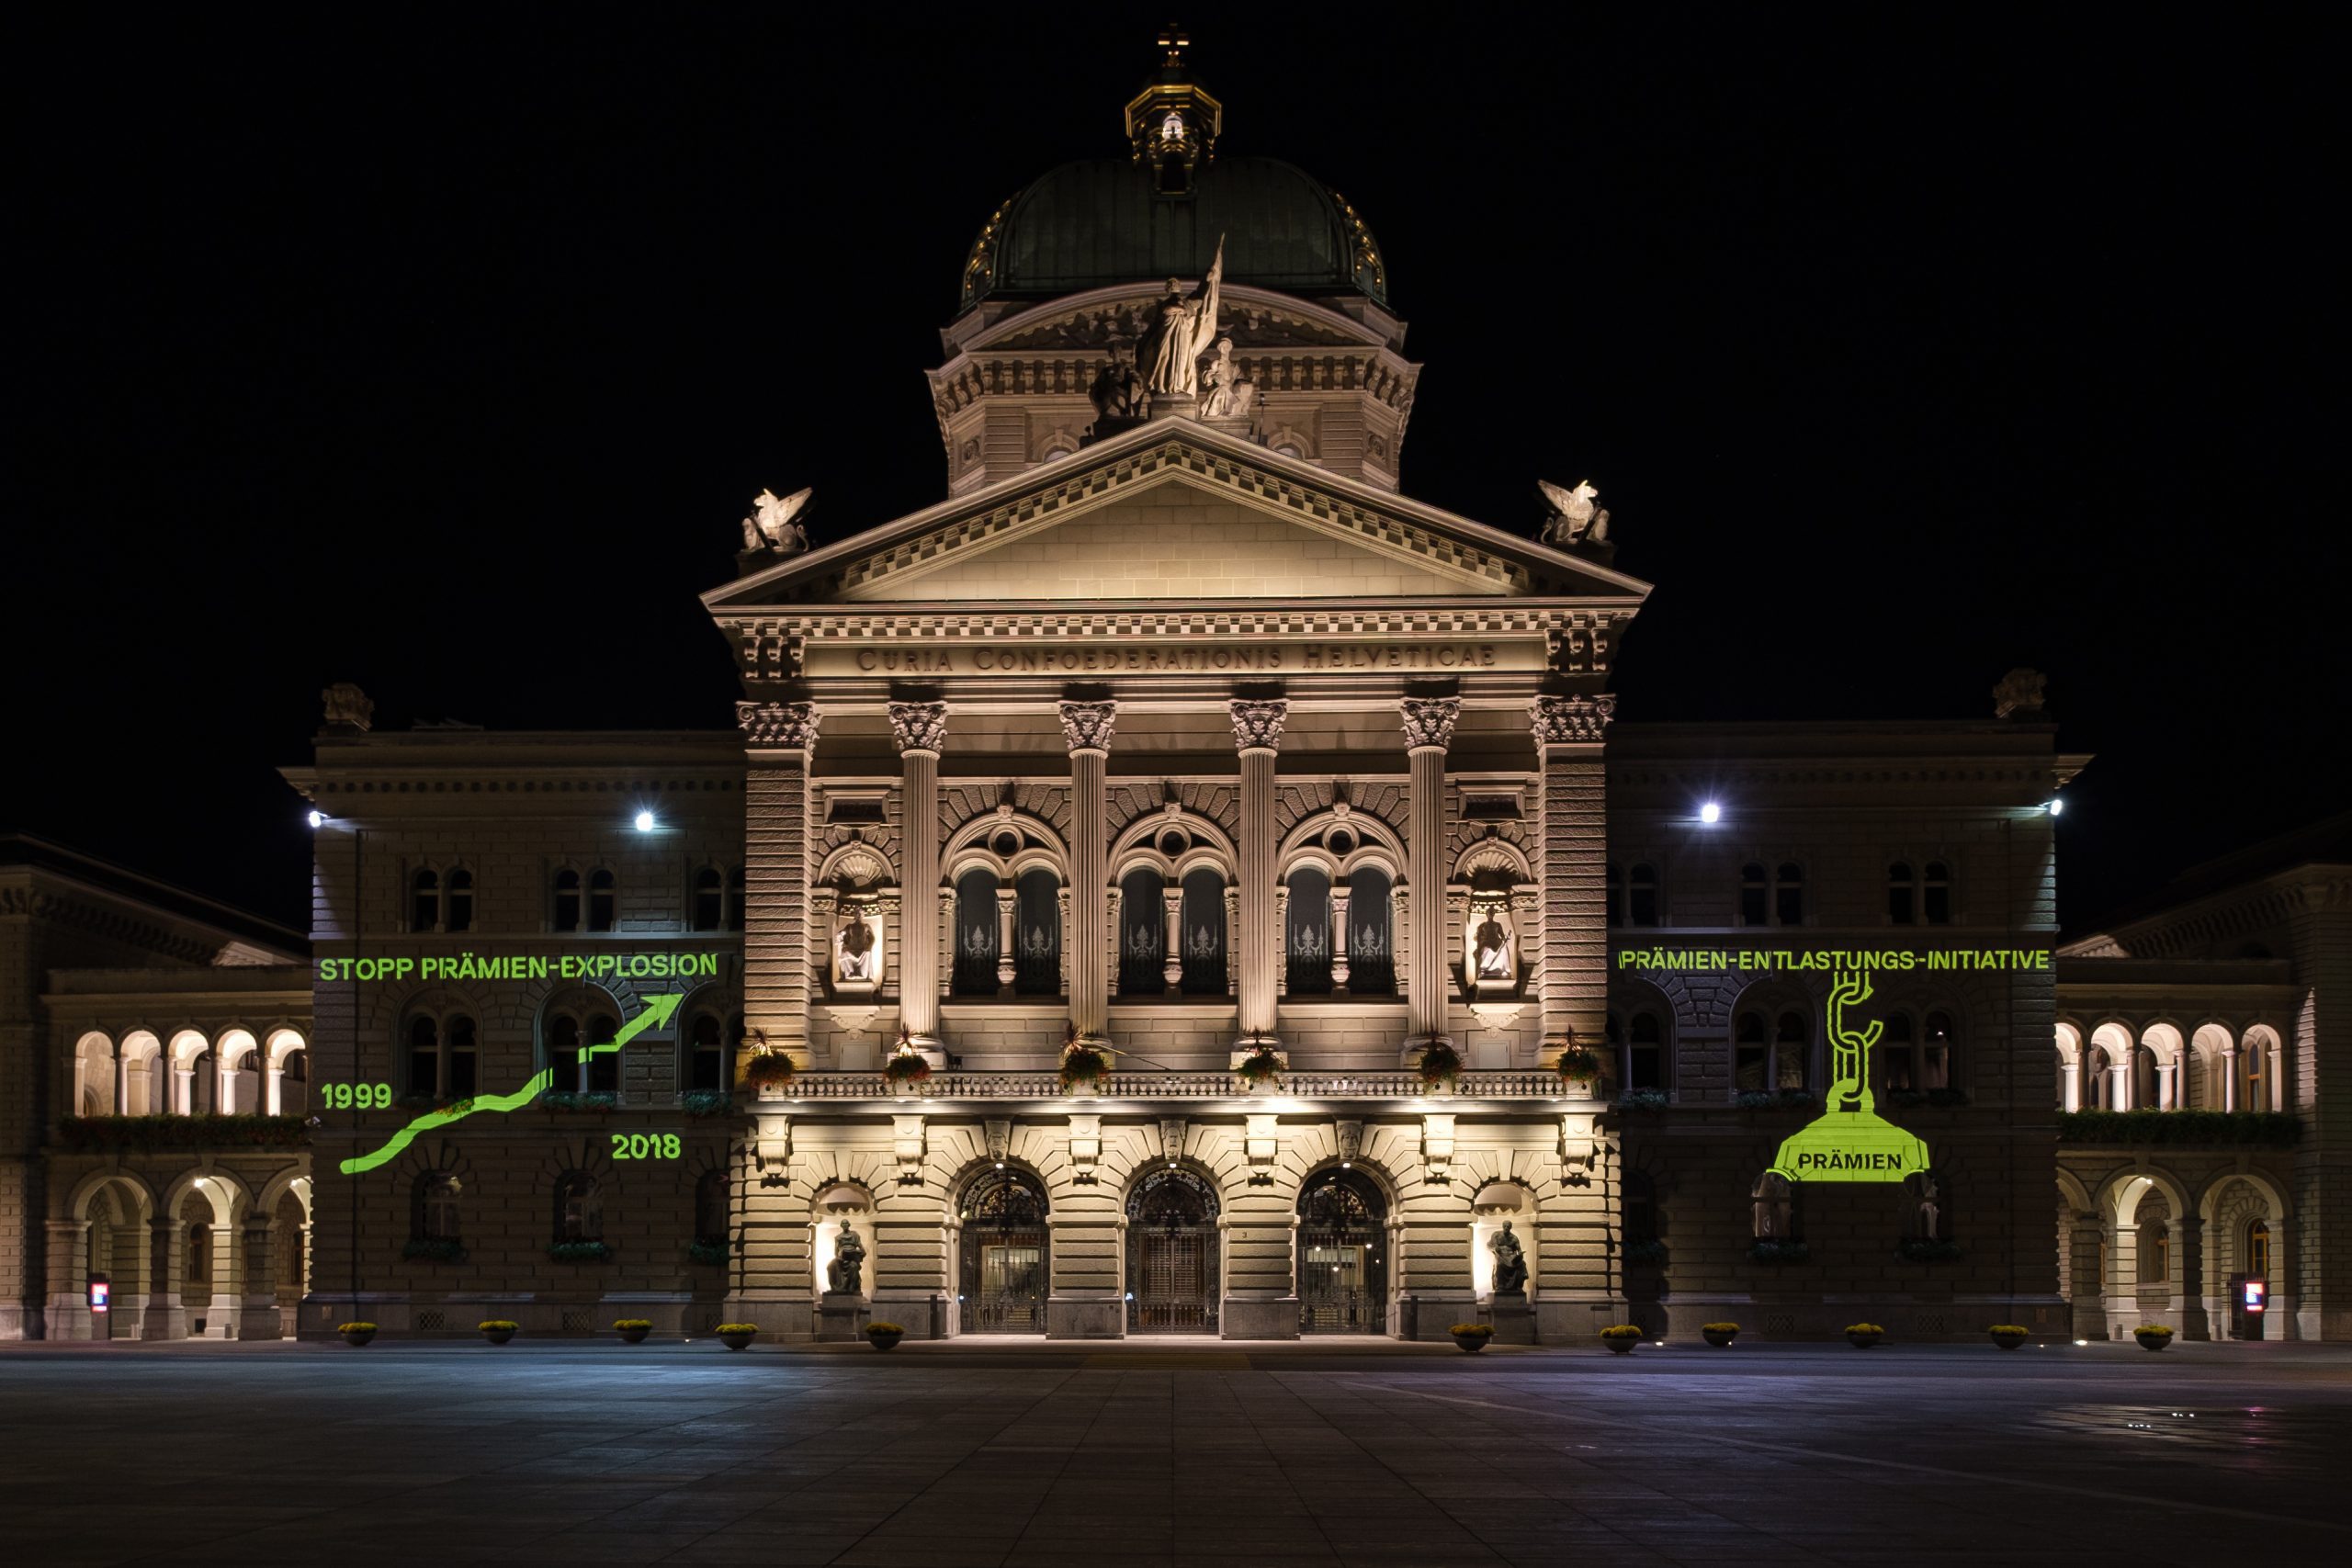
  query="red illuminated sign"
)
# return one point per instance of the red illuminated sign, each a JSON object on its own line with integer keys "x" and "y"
{"x": 99, "y": 1293}
{"x": 2255, "y": 1290}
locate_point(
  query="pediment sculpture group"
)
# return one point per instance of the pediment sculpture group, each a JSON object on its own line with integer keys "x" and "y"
{"x": 1179, "y": 356}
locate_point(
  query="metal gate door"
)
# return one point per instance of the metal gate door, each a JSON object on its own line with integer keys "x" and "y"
{"x": 1342, "y": 1268}
{"x": 1172, "y": 1254}
{"x": 1005, "y": 1258}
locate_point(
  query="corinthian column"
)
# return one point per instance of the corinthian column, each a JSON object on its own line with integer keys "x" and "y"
{"x": 1258, "y": 735}
{"x": 919, "y": 728}
{"x": 777, "y": 738}
{"x": 1429, "y": 729}
{"x": 1087, "y": 726}
{"x": 1572, "y": 823}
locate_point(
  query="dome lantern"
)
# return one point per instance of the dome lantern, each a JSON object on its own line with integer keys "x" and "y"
{"x": 1173, "y": 123}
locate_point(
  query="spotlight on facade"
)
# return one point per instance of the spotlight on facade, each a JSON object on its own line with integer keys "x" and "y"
{"x": 645, "y": 821}
{"x": 316, "y": 817}
{"x": 2056, "y": 806}
{"x": 1710, "y": 813}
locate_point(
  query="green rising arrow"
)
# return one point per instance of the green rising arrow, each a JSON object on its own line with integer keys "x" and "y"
{"x": 657, "y": 1011}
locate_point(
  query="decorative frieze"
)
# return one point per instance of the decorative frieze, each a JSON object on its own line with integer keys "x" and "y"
{"x": 789, "y": 726}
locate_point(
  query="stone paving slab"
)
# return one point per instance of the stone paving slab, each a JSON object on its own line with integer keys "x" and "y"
{"x": 1010, "y": 1454}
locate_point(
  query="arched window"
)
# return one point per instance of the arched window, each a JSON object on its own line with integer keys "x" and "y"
{"x": 1772, "y": 1208}
{"x": 464, "y": 1078}
{"x": 735, "y": 898}
{"x": 1202, "y": 921}
{"x": 710, "y": 901}
{"x": 709, "y": 1067}
{"x": 1646, "y": 1052}
{"x": 1896, "y": 1039}
{"x": 1902, "y": 895}
{"x": 1927, "y": 1207}
{"x": 603, "y": 1066}
{"x": 1038, "y": 933}
{"x": 713, "y": 1204}
{"x": 1613, "y": 894}
{"x": 2153, "y": 1220}
{"x": 1307, "y": 934}
{"x": 579, "y": 1208}
{"x": 461, "y": 901}
{"x": 1937, "y": 894}
{"x": 1143, "y": 925}
{"x": 1755, "y": 895}
{"x": 1771, "y": 1055}
{"x": 603, "y": 901}
{"x": 572, "y": 1033}
{"x": 1792, "y": 1051}
{"x": 423, "y": 1056}
{"x": 2257, "y": 1250}
{"x": 563, "y": 914}
{"x": 1788, "y": 895}
{"x": 1642, "y": 896}
{"x": 1936, "y": 1053}
{"x": 1371, "y": 933}
{"x": 437, "y": 1217}
{"x": 424, "y": 900}
{"x": 1751, "y": 1057}
{"x": 1343, "y": 1254}
{"x": 976, "y": 933}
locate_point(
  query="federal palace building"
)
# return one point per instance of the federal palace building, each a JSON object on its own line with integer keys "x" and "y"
{"x": 1179, "y": 884}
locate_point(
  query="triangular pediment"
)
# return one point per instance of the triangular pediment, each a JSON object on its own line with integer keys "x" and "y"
{"x": 1175, "y": 511}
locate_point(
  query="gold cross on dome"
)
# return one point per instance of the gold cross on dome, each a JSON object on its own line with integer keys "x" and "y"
{"x": 1173, "y": 39}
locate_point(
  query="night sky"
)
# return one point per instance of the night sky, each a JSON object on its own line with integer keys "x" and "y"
{"x": 440, "y": 349}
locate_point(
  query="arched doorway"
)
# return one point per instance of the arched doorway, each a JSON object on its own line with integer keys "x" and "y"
{"x": 1171, "y": 1254}
{"x": 1343, "y": 1254}
{"x": 1005, "y": 1258}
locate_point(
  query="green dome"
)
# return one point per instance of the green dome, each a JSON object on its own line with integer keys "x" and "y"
{"x": 1101, "y": 221}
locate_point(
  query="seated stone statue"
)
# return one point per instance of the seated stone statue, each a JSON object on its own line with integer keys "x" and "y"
{"x": 1510, "y": 1261}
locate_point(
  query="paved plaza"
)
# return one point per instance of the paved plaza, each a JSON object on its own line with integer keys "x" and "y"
{"x": 1159, "y": 1452}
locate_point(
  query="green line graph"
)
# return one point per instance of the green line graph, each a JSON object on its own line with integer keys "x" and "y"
{"x": 657, "y": 1012}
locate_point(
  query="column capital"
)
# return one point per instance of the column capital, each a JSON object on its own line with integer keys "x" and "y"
{"x": 1572, "y": 721}
{"x": 1258, "y": 724}
{"x": 1428, "y": 721}
{"x": 790, "y": 727}
{"x": 1085, "y": 726}
{"x": 919, "y": 727}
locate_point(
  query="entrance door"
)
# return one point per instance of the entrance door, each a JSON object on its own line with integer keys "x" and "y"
{"x": 1342, "y": 1265}
{"x": 1005, "y": 1268}
{"x": 1172, "y": 1254}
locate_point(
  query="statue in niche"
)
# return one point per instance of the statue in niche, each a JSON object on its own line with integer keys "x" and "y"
{"x": 1574, "y": 520}
{"x": 1118, "y": 393}
{"x": 1224, "y": 394}
{"x": 1492, "y": 961}
{"x": 774, "y": 523}
{"x": 853, "y": 949}
{"x": 848, "y": 1269}
{"x": 1183, "y": 327}
{"x": 1510, "y": 1261}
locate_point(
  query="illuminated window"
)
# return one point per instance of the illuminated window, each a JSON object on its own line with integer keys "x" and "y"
{"x": 1642, "y": 896}
{"x": 424, "y": 900}
{"x": 437, "y": 1216}
{"x": 2258, "y": 1248}
{"x": 1792, "y": 1051}
{"x": 1935, "y": 1052}
{"x": 710, "y": 900}
{"x": 579, "y": 1208}
{"x": 564, "y": 915}
{"x": 461, "y": 901}
{"x": 602, "y": 901}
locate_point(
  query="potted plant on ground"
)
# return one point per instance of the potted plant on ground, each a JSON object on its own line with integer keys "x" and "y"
{"x": 1719, "y": 1335}
{"x": 884, "y": 1335}
{"x": 2009, "y": 1336}
{"x": 1261, "y": 1067}
{"x": 1621, "y": 1337}
{"x": 498, "y": 1330}
{"x": 1440, "y": 1066}
{"x": 1084, "y": 1066}
{"x": 357, "y": 1333}
{"x": 2152, "y": 1335}
{"x": 1580, "y": 1066}
{"x": 738, "y": 1336}
{"x": 1862, "y": 1335}
{"x": 633, "y": 1330}
{"x": 1472, "y": 1336}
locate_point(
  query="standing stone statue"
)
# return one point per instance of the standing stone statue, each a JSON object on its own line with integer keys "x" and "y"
{"x": 1183, "y": 327}
{"x": 849, "y": 1259}
{"x": 1510, "y": 1261}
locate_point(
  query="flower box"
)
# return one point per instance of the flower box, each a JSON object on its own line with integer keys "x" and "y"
{"x": 738, "y": 1336}
{"x": 633, "y": 1330}
{"x": 498, "y": 1330}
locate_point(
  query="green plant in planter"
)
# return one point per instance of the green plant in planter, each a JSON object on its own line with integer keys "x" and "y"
{"x": 703, "y": 1103}
{"x": 633, "y": 1330}
{"x": 1261, "y": 1066}
{"x": 1862, "y": 1335}
{"x": 2009, "y": 1336}
{"x": 1083, "y": 1064}
{"x": 2152, "y": 1335}
{"x": 1440, "y": 1065}
{"x": 1767, "y": 1250}
{"x": 1719, "y": 1335}
{"x": 766, "y": 1068}
{"x": 580, "y": 1251}
{"x": 498, "y": 1330}
{"x": 884, "y": 1335}
{"x": 357, "y": 1333}
{"x": 1578, "y": 1065}
{"x": 737, "y": 1336}
{"x": 594, "y": 1103}
{"x": 1621, "y": 1337}
{"x": 1642, "y": 1101}
{"x": 1472, "y": 1336}
{"x": 907, "y": 1066}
